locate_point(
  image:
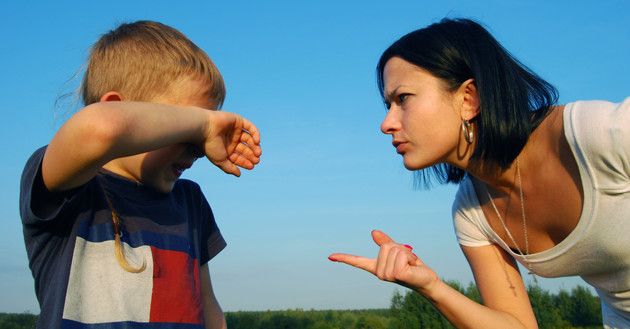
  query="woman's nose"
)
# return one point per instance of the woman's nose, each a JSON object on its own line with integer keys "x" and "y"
{"x": 390, "y": 123}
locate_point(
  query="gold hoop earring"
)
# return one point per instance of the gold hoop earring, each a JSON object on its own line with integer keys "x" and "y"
{"x": 468, "y": 132}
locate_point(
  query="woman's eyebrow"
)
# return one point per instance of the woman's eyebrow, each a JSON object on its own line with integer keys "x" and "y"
{"x": 389, "y": 96}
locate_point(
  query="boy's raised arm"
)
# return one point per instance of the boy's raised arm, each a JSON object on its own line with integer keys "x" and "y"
{"x": 105, "y": 131}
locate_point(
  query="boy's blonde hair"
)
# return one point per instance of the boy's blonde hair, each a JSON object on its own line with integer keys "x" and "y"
{"x": 141, "y": 60}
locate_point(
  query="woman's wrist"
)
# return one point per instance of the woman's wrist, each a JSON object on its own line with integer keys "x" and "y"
{"x": 433, "y": 290}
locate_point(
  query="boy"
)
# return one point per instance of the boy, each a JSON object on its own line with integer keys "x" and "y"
{"x": 114, "y": 237}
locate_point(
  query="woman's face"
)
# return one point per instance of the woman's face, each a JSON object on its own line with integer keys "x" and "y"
{"x": 422, "y": 117}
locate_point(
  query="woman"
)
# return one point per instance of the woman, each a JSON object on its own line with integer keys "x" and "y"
{"x": 542, "y": 184}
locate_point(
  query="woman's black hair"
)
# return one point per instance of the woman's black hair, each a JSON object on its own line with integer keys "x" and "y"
{"x": 513, "y": 99}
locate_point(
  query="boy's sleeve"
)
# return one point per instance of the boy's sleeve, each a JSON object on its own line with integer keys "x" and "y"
{"x": 37, "y": 204}
{"x": 211, "y": 238}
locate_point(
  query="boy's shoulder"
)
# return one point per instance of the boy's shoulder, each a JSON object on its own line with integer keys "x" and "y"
{"x": 187, "y": 185}
{"x": 37, "y": 156}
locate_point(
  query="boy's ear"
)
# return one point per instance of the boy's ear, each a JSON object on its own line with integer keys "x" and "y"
{"x": 470, "y": 100}
{"x": 111, "y": 96}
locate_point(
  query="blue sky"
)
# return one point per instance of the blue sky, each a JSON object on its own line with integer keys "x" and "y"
{"x": 304, "y": 72}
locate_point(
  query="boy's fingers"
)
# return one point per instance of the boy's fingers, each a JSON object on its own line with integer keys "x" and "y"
{"x": 381, "y": 238}
{"x": 229, "y": 168}
{"x": 250, "y": 129}
{"x": 243, "y": 154}
{"x": 367, "y": 264}
{"x": 241, "y": 161}
{"x": 246, "y": 152}
{"x": 248, "y": 141}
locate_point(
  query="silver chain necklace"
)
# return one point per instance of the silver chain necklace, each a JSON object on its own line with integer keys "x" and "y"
{"x": 523, "y": 219}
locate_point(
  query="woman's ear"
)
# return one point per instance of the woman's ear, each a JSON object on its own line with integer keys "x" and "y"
{"x": 111, "y": 96}
{"x": 470, "y": 100}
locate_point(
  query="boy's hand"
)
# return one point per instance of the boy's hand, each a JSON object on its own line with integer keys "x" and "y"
{"x": 395, "y": 263}
{"x": 232, "y": 141}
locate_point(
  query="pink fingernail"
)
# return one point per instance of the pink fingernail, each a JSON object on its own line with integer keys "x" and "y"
{"x": 331, "y": 258}
{"x": 408, "y": 246}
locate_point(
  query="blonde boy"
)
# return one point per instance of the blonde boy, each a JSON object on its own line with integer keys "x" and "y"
{"x": 115, "y": 239}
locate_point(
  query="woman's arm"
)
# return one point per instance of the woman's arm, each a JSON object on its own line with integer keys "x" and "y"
{"x": 505, "y": 300}
{"x": 498, "y": 280}
{"x": 105, "y": 131}
{"x": 212, "y": 313}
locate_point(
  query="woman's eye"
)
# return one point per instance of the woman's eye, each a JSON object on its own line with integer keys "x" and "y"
{"x": 398, "y": 100}
{"x": 402, "y": 97}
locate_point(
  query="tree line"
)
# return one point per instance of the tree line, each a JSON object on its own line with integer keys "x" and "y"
{"x": 577, "y": 308}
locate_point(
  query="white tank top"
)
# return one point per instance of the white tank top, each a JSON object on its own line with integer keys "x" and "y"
{"x": 598, "y": 249}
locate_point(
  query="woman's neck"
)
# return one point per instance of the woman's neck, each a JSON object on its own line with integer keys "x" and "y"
{"x": 541, "y": 144}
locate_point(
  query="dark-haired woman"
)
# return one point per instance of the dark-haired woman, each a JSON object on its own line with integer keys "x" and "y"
{"x": 543, "y": 184}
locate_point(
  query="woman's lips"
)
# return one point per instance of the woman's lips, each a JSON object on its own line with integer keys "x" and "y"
{"x": 400, "y": 146}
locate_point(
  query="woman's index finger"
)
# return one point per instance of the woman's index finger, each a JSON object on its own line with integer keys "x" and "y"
{"x": 364, "y": 263}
